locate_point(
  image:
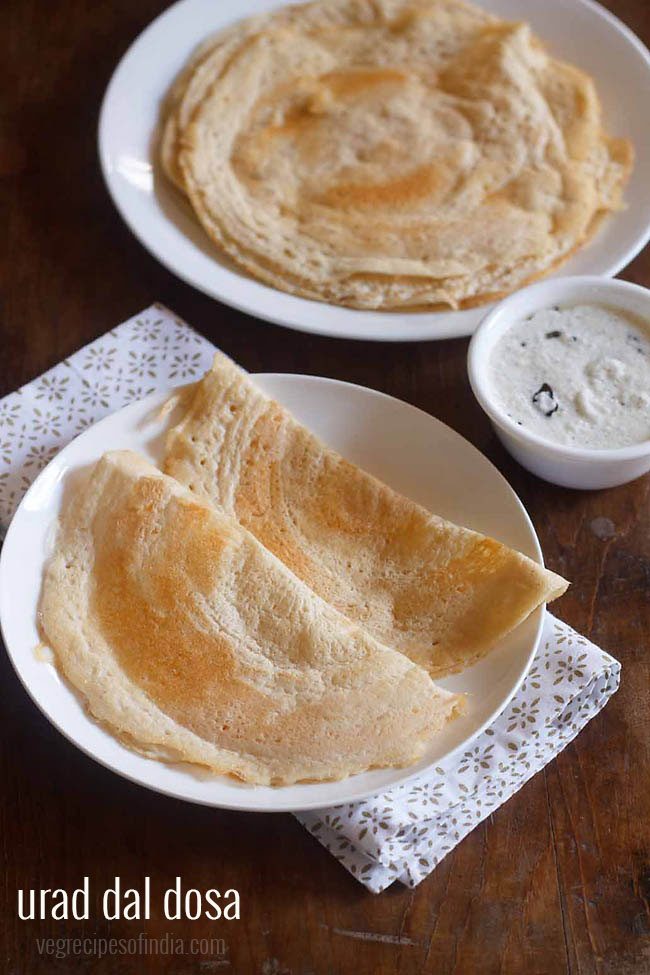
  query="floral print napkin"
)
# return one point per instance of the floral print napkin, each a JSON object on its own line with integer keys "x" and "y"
{"x": 153, "y": 350}
{"x": 403, "y": 834}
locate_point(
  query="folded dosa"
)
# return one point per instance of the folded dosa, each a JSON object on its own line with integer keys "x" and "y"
{"x": 441, "y": 594}
{"x": 191, "y": 641}
{"x": 391, "y": 154}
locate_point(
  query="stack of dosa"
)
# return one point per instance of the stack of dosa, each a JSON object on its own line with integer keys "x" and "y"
{"x": 391, "y": 153}
{"x": 191, "y": 641}
{"x": 441, "y": 594}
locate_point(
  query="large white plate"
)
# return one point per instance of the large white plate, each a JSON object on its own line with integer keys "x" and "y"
{"x": 579, "y": 30}
{"x": 407, "y": 448}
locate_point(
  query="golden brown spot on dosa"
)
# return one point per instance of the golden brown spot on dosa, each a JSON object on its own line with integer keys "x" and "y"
{"x": 259, "y": 496}
{"x": 450, "y": 578}
{"x": 146, "y": 619}
{"x": 341, "y": 85}
{"x": 483, "y": 575}
{"x": 425, "y": 182}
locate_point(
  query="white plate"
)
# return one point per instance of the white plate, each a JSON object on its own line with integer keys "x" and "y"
{"x": 578, "y": 30}
{"x": 405, "y": 447}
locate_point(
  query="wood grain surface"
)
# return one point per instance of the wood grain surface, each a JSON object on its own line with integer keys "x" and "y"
{"x": 558, "y": 880}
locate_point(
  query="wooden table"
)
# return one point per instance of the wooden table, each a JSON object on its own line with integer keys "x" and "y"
{"x": 558, "y": 880}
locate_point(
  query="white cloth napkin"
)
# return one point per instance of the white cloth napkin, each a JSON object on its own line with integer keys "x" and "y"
{"x": 153, "y": 350}
{"x": 403, "y": 834}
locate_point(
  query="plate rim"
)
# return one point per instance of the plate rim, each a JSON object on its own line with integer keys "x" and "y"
{"x": 263, "y": 310}
{"x": 404, "y": 775}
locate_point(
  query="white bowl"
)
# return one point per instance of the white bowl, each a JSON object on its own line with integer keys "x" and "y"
{"x": 568, "y": 466}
